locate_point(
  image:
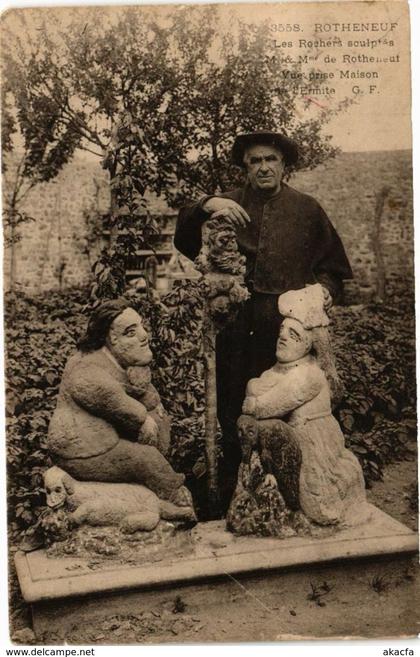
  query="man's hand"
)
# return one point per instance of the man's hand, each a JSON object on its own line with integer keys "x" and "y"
{"x": 149, "y": 431}
{"x": 328, "y": 302}
{"x": 228, "y": 209}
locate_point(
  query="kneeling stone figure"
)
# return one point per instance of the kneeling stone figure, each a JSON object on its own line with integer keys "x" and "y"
{"x": 305, "y": 448}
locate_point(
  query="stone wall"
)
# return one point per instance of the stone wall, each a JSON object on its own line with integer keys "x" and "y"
{"x": 347, "y": 188}
{"x": 52, "y": 251}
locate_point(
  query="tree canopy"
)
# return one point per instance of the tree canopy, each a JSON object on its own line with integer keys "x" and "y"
{"x": 157, "y": 94}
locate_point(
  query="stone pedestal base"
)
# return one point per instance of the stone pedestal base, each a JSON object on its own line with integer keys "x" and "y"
{"x": 66, "y": 591}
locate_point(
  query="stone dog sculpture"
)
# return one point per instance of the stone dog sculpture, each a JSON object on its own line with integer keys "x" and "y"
{"x": 288, "y": 421}
{"x": 109, "y": 424}
{"x": 131, "y": 506}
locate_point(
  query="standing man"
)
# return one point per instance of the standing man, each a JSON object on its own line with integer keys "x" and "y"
{"x": 288, "y": 242}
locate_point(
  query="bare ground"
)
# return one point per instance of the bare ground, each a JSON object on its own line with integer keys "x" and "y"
{"x": 369, "y": 600}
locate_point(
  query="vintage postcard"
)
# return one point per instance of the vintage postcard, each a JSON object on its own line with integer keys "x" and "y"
{"x": 209, "y": 323}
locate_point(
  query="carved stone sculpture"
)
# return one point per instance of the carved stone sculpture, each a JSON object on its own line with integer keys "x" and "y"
{"x": 220, "y": 251}
{"x": 110, "y": 426}
{"x": 266, "y": 498}
{"x": 223, "y": 267}
{"x": 131, "y": 506}
{"x": 258, "y": 507}
{"x": 288, "y": 420}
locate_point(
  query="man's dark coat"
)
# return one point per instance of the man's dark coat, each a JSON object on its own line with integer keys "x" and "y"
{"x": 289, "y": 243}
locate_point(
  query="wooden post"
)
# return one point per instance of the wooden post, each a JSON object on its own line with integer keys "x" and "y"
{"x": 211, "y": 414}
{"x": 223, "y": 268}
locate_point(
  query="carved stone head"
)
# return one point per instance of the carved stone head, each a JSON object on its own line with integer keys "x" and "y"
{"x": 57, "y": 485}
{"x": 223, "y": 239}
{"x": 294, "y": 341}
{"x": 128, "y": 341}
{"x": 119, "y": 327}
{"x": 248, "y": 435}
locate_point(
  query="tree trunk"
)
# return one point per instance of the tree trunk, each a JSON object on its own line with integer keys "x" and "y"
{"x": 113, "y": 233}
{"x": 12, "y": 270}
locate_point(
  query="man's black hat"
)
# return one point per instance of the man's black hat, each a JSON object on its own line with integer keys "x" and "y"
{"x": 287, "y": 146}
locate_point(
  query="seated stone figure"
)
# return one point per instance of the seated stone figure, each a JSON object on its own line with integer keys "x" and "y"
{"x": 304, "y": 446}
{"x": 109, "y": 424}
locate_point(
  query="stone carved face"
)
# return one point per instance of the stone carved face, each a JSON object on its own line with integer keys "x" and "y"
{"x": 247, "y": 428}
{"x": 265, "y": 167}
{"x": 294, "y": 341}
{"x": 223, "y": 240}
{"x": 128, "y": 340}
{"x": 248, "y": 435}
{"x": 54, "y": 487}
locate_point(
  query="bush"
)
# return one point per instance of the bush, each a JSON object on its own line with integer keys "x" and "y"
{"x": 40, "y": 334}
{"x": 178, "y": 368}
{"x": 375, "y": 350}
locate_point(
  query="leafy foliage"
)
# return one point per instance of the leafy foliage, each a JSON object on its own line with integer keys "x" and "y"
{"x": 12, "y": 219}
{"x": 40, "y": 336}
{"x": 36, "y": 143}
{"x": 8, "y": 125}
{"x": 375, "y": 348}
{"x": 98, "y": 90}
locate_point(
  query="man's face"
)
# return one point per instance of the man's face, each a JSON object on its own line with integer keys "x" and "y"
{"x": 265, "y": 167}
{"x": 128, "y": 341}
{"x": 293, "y": 342}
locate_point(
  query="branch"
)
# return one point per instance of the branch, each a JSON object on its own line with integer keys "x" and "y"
{"x": 89, "y": 150}
{"x": 94, "y": 137}
{"x": 31, "y": 184}
{"x": 215, "y": 171}
{"x": 65, "y": 121}
{"x": 66, "y": 109}
{"x": 19, "y": 181}
{"x": 70, "y": 120}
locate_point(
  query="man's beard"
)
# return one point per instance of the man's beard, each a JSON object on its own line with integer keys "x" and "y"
{"x": 129, "y": 356}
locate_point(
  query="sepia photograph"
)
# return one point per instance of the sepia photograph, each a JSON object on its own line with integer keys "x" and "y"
{"x": 209, "y": 323}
